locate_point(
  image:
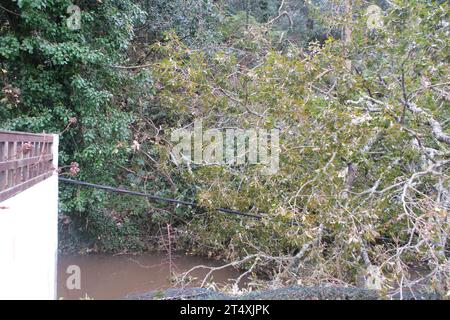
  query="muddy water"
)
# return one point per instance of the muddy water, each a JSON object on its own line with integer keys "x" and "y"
{"x": 114, "y": 277}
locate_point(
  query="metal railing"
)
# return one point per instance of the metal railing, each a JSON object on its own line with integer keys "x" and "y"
{"x": 25, "y": 160}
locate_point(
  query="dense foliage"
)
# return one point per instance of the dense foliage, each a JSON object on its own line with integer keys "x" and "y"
{"x": 364, "y": 160}
{"x": 65, "y": 82}
{"x": 362, "y": 192}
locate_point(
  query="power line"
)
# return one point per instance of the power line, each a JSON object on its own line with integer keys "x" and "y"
{"x": 153, "y": 197}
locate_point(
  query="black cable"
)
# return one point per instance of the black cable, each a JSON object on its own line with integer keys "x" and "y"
{"x": 153, "y": 197}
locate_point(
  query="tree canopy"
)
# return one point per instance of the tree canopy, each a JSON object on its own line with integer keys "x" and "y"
{"x": 361, "y": 100}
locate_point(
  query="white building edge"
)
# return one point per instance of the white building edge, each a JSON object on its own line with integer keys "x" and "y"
{"x": 29, "y": 238}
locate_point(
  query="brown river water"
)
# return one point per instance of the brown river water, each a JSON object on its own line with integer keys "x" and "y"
{"x": 116, "y": 276}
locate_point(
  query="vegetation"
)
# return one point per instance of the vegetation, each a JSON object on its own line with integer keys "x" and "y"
{"x": 362, "y": 193}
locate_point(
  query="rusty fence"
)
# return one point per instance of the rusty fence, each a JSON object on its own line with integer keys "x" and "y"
{"x": 25, "y": 160}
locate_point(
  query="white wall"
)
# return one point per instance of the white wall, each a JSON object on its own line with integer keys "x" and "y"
{"x": 29, "y": 241}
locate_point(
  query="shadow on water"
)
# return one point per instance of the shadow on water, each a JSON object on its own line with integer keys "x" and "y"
{"x": 114, "y": 277}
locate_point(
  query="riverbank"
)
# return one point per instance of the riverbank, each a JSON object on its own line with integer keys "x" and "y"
{"x": 287, "y": 293}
